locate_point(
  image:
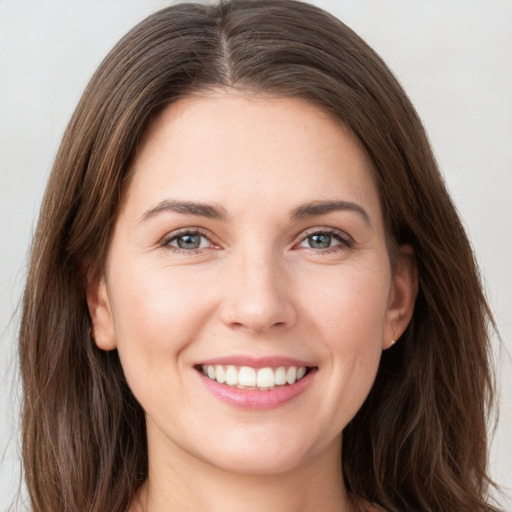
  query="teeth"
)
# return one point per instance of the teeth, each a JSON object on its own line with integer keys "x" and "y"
{"x": 291, "y": 374}
{"x": 220, "y": 374}
{"x": 265, "y": 378}
{"x": 245, "y": 377}
{"x": 280, "y": 376}
{"x": 231, "y": 376}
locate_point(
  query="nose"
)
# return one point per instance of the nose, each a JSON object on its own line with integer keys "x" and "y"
{"x": 259, "y": 296}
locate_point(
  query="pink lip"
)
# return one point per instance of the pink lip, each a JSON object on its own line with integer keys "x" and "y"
{"x": 254, "y": 399}
{"x": 257, "y": 362}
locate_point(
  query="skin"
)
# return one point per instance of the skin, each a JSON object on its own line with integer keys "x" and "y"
{"x": 255, "y": 287}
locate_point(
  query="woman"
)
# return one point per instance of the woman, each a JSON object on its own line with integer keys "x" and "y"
{"x": 247, "y": 270}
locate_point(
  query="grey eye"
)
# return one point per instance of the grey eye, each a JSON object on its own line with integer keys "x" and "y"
{"x": 189, "y": 241}
{"x": 319, "y": 241}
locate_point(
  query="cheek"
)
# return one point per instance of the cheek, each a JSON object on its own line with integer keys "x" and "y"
{"x": 348, "y": 311}
{"x": 157, "y": 313}
{"x": 348, "y": 304}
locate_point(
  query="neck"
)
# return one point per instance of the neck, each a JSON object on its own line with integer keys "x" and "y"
{"x": 179, "y": 481}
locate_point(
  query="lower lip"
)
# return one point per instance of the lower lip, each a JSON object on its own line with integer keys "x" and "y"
{"x": 257, "y": 400}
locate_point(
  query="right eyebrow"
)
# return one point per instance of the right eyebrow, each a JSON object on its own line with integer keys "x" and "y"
{"x": 186, "y": 208}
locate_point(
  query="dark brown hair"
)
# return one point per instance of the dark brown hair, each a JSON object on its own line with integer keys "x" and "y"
{"x": 419, "y": 442}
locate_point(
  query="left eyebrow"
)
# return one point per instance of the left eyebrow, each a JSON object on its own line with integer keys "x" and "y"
{"x": 322, "y": 207}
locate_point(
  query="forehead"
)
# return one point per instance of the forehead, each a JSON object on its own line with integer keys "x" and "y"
{"x": 231, "y": 146}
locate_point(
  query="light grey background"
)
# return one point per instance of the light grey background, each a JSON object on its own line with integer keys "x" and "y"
{"x": 454, "y": 58}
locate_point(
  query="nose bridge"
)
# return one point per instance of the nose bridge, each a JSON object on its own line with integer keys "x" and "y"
{"x": 258, "y": 296}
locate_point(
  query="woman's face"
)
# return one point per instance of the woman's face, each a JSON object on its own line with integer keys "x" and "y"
{"x": 249, "y": 247}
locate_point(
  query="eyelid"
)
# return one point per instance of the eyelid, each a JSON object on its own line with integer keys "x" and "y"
{"x": 345, "y": 239}
{"x": 165, "y": 241}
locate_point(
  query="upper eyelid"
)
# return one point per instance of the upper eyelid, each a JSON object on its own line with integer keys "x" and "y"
{"x": 186, "y": 231}
{"x": 330, "y": 231}
{"x": 343, "y": 235}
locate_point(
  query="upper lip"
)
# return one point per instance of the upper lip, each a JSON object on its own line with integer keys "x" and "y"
{"x": 256, "y": 362}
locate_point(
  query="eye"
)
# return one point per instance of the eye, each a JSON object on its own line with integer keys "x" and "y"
{"x": 319, "y": 241}
{"x": 325, "y": 240}
{"x": 188, "y": 241}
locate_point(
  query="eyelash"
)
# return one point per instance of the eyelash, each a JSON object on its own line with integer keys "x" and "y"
{"x": 166, "y": 242}
{"x": 345, "y": 241}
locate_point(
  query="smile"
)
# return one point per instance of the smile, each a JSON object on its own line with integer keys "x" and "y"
{"x": 260, "y": 383}
{"x": 261, "y": 379}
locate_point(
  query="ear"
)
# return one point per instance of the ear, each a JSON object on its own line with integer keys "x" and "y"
{"x": 100, "y": 311}
{"x": 404, "y": 288}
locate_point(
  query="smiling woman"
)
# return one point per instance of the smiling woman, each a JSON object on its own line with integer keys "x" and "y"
{"x": 253, "y": 283}
{"x": 222, "y": 302}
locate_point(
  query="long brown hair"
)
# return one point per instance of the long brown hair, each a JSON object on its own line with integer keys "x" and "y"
{"x": 419, "y": 442}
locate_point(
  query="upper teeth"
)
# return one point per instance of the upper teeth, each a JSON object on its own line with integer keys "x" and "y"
{"x": 247, "y": 377}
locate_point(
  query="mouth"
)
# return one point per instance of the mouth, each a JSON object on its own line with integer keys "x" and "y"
{"x": 254, "y": 379}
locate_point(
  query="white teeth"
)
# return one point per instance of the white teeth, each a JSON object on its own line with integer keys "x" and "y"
{"x": 220, "y": 374}
{"x": 265, "y": 378}
{"x": 280, "y": 376}
{"x": 231, "y": 376}
{"x": 245, "y": 377}
{"x": 291, "y": 374}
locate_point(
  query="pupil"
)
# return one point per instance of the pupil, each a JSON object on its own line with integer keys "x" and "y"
{"x": 320, "y": 241}
{"x": 189, "y": 241}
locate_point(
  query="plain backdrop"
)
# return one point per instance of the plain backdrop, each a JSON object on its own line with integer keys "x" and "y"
{"x": 454, "y": 58}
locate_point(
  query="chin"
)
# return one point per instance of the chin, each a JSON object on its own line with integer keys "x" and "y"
{"x": 261, "y": 455}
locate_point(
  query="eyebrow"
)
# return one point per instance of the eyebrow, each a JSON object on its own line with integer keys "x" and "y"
{"x": 186, "y": 208}
{"x": 218, "y": 212}
{"x": 322, "y": 207}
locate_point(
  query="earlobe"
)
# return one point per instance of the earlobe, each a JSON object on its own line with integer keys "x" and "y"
{"x": 402, "y": 296}
{"x": 100, "y": 311}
